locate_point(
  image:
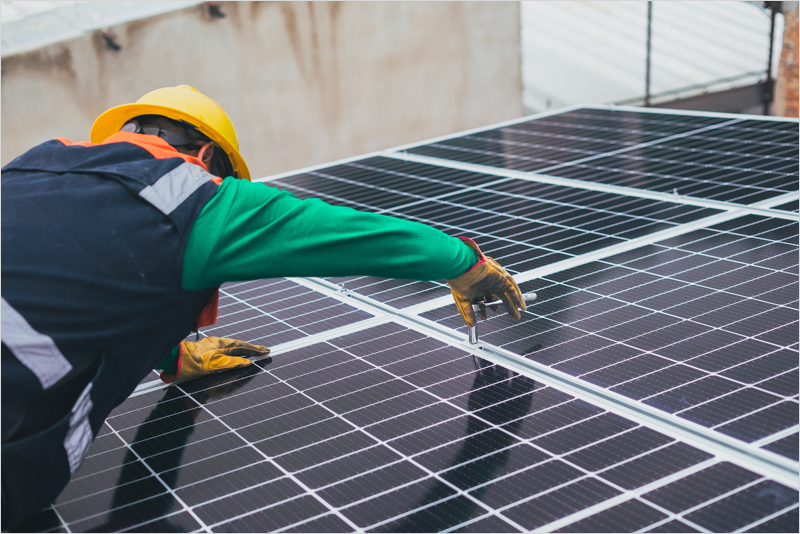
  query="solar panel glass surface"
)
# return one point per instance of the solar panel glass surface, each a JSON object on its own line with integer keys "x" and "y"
{"x": 737, "y": 160}
{"x": 387, "y": 429}
{"x": 566, "y": 137}
{"x": 703, "y": 325}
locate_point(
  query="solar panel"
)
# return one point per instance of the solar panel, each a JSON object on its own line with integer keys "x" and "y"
{"x": 700, "y": 325}
{"x": 565, "y": 137}
{"x": 384, "y": 429}
{"x": 653, "y": 386}
{"x": 736, "y": 160}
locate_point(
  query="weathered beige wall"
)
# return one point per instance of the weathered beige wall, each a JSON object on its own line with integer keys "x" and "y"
{"x": 304, "y": 82}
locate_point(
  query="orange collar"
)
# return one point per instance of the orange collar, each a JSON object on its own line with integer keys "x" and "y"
{"x": 159, "y": 148}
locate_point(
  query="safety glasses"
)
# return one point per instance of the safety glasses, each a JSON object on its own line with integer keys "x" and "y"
{"x": 177, "y": 136}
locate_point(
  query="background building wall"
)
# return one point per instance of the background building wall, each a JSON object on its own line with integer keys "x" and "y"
{"x": 304, "y": 82}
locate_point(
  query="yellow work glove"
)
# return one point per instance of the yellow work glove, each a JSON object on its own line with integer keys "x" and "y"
{"x": 487, "y": 280}
{"x": 212, "y": 355}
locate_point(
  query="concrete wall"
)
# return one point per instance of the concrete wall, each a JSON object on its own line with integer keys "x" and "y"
{"x": 304, "y": 82}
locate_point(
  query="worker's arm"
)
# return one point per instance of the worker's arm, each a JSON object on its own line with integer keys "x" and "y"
{"x": 250, "y": 231}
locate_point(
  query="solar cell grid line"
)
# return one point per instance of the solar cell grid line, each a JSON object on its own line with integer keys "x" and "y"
{"x": 48, "y": 520}
{"x": 304, "y": 193}
{"x": 604, "y": 314}
{"x": 656, "y": 174}
{"x": 688, "y": 113}
{"x": 756, "y": 146}
{"x": 680, "y": 429}
{"x": 382, "y": 171}
{"x": 523, "y": 207}
{"x": 153, "y": 381}
{"x": 382, "y": 442}
{"x": 485, "y": 386}
{"x": 784, "y": 135}
{"x": 283, "y": 299}
{"x": 404, "y": 288}
{"x": 731, "y": 159}
{"x": 295, "y": 183}
{"x": 652, "y": 115}
{"x": 281, "y": 313}
{"x": 672, "y": 513}
{"x": 629, "y": 513}
{"x": 773, "y": 145}
{"x": 668, "y": 196}
{"x": 667, "y": 388}
{"x": 266, "y": 458}
{"x": 768, "y": 258}
{"x": 165, "y": 485}
{"x": 416, "y": 177}
{"x": 558, "y": 113}
{"x": 284, "y": 471}
{"x": 580, "y": 121}
{"x": 654, "y": 180}
{"x": 503, "y": 401}
{"x": 537, "y": 272}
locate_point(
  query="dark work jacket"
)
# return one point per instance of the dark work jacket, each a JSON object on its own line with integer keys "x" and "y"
{"x": 93, "y": 239}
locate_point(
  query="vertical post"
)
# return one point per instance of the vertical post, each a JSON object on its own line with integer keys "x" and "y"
{"x": 769, "y": 84}
{"x": 649, "y": 46}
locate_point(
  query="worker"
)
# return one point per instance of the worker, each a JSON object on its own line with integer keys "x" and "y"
{"x": 114, "y": 251}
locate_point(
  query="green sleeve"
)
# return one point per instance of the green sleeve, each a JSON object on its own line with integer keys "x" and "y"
{"x": 251, "y": 230}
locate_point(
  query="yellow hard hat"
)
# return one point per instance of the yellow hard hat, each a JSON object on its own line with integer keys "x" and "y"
{"x": 183, "y": 103}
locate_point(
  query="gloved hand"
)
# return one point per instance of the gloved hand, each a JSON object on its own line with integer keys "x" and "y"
{"x": 212, "y": 355}
{"x": 486, "y": 280}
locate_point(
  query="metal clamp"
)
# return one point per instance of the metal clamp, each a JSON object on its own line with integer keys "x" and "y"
{"x": 480, "y": 306}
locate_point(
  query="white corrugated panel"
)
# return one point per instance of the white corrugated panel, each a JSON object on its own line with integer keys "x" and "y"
{"x": 595, "y": 52}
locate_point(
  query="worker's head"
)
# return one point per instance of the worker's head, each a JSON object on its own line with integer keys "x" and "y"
{"x": 185, "y": 138}
{"x": 186, "y": 119}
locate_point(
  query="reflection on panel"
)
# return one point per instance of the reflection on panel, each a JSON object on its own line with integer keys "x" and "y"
{"x": 557, "y": 139}
{"x": 741, "y": 161}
